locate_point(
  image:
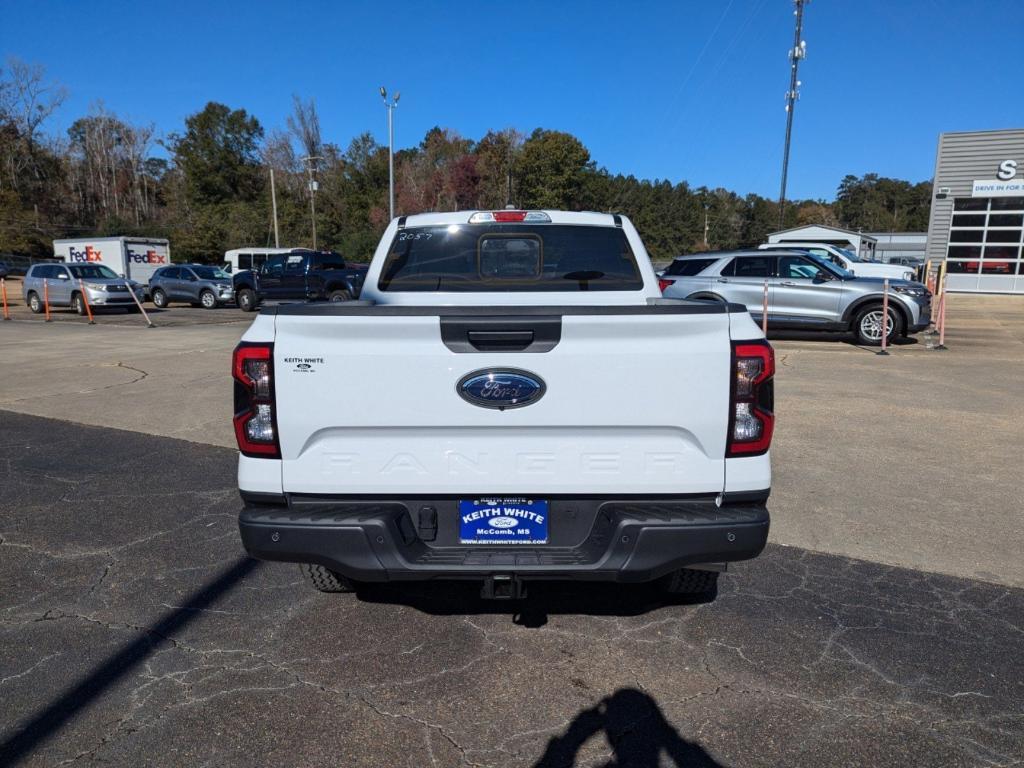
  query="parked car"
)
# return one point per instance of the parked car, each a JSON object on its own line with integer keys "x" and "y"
{"x": 805, "y": 291}
{"x": 308, "y": 275}
{"x": 4, "y": 269}
{"x": 499, "y": 435}
{"x": 200, "y": 284}
{"x": 846, "y": 259}
{"x": 64, "y": 284}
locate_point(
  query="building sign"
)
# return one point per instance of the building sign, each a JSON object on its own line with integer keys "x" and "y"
{"x": 995, "y": 188}
{"x": 1006, "y": 183}
{"x": 1007, "y": 170}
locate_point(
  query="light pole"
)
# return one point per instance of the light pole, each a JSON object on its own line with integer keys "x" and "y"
{"x": 796, "y": 53}
{"x": 309, "y": 161}
{"x": 390, "y": 106}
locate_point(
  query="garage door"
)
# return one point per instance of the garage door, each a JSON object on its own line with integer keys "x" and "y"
{"x": 986, "y": 236}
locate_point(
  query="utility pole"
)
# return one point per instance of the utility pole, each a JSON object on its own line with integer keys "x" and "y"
{"x": 273, "y": 203}
{"x": 706, "y": 207}
{"x": 310, "y": 161}
{"x": 796, "y": 53}
{"x": 390, "y": 106}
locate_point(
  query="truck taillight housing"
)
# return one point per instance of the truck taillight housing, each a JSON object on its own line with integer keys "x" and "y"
{"x": 752, "y": 399}
{"x": 255, "y": 414}
{"x": 663, "y": 284}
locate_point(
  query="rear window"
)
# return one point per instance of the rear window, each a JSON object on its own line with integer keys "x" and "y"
{"x": 688, "y": 267}
{"x": 510, "y": 257}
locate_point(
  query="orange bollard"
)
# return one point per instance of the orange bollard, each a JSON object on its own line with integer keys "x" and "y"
{"x": 764, "y": 311}
{"x": 3, "y": 290}
{"x": 942, "y": 322}
{"x": 85, "y": 300}
{"x": 46, "y": 298}
{"x": 885, "y": 317}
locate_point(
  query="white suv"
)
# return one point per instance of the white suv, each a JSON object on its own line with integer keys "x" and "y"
{"x": 846, "y": 259}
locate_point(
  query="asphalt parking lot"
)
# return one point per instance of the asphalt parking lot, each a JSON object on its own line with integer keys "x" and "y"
{"x": 883, "y": 625}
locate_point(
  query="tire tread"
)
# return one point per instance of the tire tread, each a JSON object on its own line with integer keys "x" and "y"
{"x": 326, "y": 580}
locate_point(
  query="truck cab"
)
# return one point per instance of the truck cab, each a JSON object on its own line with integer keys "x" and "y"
{"x": 511, "y": 399}
{"x": 298, "y": 275}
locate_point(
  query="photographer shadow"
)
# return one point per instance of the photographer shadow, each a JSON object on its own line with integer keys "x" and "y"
{"x": 637, "y": 731}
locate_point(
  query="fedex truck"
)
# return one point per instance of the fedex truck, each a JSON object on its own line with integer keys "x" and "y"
{"x": 136, "y": 258}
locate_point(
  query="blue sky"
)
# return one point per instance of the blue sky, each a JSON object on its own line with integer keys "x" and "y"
{"x": 678, "y": 90}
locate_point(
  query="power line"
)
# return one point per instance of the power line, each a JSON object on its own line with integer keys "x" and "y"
{"x": 796, "y": 53}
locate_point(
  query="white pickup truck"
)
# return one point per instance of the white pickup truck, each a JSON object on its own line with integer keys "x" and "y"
{"x": 511, "y": 399}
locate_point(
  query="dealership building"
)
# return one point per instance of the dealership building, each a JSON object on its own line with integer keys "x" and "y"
{"x": 977, "y": 216}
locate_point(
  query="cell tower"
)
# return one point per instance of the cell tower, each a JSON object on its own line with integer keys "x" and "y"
{"x": 796, "y": 54}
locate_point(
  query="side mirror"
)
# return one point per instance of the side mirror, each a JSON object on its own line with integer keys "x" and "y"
{"x": 821, "y": 277}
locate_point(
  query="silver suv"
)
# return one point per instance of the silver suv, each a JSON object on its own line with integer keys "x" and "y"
{"x": 62, "y": 285}
{"x": 805, "y": 292}
{"x": 194, "y": 283}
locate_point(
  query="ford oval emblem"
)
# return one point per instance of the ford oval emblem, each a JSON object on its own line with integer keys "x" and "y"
{"x": 503, "y": 522}
{"x": 501, "y": 388}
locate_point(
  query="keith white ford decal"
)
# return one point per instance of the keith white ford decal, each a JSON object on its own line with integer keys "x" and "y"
{"x": 503, "y": 521}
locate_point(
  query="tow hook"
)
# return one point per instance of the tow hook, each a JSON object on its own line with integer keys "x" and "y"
{"x": 503, "y": 587}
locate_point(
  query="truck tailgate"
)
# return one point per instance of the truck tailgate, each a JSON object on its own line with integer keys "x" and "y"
{"x": 636, "y": 402}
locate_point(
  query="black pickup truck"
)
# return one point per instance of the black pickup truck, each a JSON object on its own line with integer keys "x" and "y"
{"x": 299, "y": 274}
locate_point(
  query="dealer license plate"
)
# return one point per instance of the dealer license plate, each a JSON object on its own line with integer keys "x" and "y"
{"x": 503, "y": 521}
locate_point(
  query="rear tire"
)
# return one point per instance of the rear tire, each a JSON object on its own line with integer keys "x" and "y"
{"x": 246, "y": 300}
{"x": 867, "y": 325}
{"x": 687, "y": 581}
{"x": 159, "y": 299}
{"x": 326, "y": 580}
{"x": 339, "y": 296}
{"x": 35, "y": 303}
{"x": 208, "y": 300}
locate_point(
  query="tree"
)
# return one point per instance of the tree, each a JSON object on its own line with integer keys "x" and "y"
{"x": 550, "y": 171}
{"x": 495, "y": 161}
{"x": 108, "y": 169}
{"x": 878, "y": 204}
{"x": 304, "y": 124}
{"x": 219, "y": 155}
{"x": 26, "y": 99}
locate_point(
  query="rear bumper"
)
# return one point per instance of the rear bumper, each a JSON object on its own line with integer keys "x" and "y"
{"x": 632, "y": 540}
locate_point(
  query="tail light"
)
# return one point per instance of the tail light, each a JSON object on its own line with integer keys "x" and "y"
{"x": 255, "y": 417}
{"x": 752, "y": 401}
{"x": 663, "y": 284}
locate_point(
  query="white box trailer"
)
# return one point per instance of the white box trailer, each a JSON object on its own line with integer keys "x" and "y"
{"x": 133, "y": 257}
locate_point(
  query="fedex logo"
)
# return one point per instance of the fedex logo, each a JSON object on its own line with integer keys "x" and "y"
{"x": 149, "y": 257}
{"x": 88, "y": 254}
